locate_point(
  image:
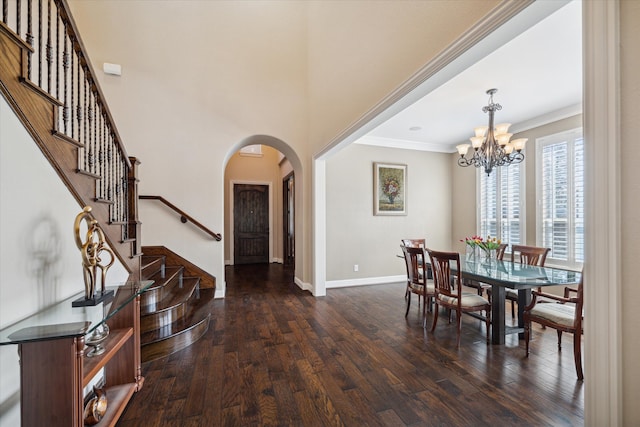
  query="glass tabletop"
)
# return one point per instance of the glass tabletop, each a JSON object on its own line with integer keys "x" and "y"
{"x": 515, "y": 275}
{"x": 63, "y": 320}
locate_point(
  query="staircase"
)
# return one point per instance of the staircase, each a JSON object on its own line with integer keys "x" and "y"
{"x": 47, "y": 79}
{"x": 174, "y": 311}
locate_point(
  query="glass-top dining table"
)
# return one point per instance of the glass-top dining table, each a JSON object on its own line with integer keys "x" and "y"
{"x": 520, "y": 277}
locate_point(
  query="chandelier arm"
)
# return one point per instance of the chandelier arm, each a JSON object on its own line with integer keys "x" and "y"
{"x": 490, "y": 154}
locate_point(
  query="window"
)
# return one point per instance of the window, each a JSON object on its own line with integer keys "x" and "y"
{"x": 560, "y": 190}
{"x": 501, "y": 207}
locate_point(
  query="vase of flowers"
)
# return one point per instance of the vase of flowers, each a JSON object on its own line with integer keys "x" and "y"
{"x": 480, "y": 249}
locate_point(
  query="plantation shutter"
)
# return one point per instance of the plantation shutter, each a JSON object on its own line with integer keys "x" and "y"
{"x": 562, "y": 197}
{"x": 500, "y": 204}
{"x": 510, "y": 205}
{"x": 578, "y": 180}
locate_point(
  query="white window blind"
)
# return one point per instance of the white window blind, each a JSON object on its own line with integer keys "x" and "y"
{"x": 501, "y": 204}
{"x": 560, "y": 182}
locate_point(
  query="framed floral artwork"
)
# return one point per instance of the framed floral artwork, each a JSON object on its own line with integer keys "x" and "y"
{"x": 389, "y": 189}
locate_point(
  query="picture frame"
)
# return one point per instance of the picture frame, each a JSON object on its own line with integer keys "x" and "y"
{"x": 389, "y": 189}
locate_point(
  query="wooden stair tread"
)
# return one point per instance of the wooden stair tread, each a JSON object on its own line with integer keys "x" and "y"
{"x": 150, "y": 259}
{"x": 159, "y": 281}
{"x": 150, "y": 264}
{"x": 178, "y": 295}
{"x": 198, "y": 313}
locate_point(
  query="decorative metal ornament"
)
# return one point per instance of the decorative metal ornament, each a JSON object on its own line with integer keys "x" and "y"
{"x": 91, "y": 248}
{"x": 96, "y": 407}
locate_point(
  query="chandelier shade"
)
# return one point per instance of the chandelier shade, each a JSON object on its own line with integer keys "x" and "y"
{"x": 492, "y": 145}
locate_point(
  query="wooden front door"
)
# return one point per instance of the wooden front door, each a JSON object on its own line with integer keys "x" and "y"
{"x": 251, "y": 223}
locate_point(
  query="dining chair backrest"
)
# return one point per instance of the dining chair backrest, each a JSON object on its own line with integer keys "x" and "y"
{"x": 579, "y": 305}
{"x": 531, "y": 255}
{"x": 443, "y": 280}
{"x": 416, "y": 243}
{"x": 413, "y": 259}
{"x": 500, "y": 251}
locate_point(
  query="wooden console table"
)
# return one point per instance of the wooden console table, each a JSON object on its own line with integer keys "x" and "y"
{"x": 54, "y": 368}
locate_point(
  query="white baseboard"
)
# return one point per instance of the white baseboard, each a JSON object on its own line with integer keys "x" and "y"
{"x": 220, "y": 292}
{"x": 365, "y": 281}
{"x": 303, "y": 285}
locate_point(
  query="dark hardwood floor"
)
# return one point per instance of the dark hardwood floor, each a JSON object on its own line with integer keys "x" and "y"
{"x": 275, "y": 355}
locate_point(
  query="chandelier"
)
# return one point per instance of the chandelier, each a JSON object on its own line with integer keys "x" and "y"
{"x": 491, "y": 146}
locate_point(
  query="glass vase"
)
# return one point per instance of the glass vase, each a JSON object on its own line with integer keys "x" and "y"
{"x": 472, "y": 254}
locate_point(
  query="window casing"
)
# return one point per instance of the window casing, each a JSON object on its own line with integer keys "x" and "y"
{"x": 501, "y": 208}
{"x": 560, "y": 192}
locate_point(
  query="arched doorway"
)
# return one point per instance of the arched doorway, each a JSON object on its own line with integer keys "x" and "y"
{"x": 262, "y": 207}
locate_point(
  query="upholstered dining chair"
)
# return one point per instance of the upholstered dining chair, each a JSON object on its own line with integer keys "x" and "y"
{"x": 448, "y": 289}
{"x": 417, "y": 282}
{"x": 565, "y": 315}
{"x": 418, "y": 243}
{"x": 531, "y": 255}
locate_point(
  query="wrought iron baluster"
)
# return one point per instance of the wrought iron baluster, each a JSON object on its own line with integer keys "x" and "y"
{"x": 101, "y": 156}
{"x": 92, "y": 129}
{"x": 5, "y": 10}
{"x": 40, "y": 43}
{"x": 79, "y": 99}
{"x": 18, "y": 17}
{"x": 65, "y": 65}
{"x": 57, "y": 55}
{"x": 49, "y": 47}
{"x": 87, "y": 147}
{"x": 109, "y": 166}
{"x": 116, "y": 182}
{"x": 123, "y": 187}
{"x": 71, "y": 94}
{"x": 29, "y": 39}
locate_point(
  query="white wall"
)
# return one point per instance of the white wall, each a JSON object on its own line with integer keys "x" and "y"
{"x": 201, "y": 76}
{"x": 198, "y": 78}
{"x": 39, "y": 261}
{"x": 356, "y": 236}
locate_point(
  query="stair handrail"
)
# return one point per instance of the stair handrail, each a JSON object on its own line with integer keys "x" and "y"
{"x": 56, "y": 65}
{"x": 184, "y": 217}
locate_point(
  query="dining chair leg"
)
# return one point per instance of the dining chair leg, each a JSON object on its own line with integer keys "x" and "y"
{"x": 559, "y": 339}
{"x": 577, "y": 354}
{"x": 527, "y": 332}
{"x": 436, "y": 309}
{"x": 488, "y": 320}
{"x": 406, "y": 313}
{"x": 459, "y": 327}
{"x": 424, "y": 313}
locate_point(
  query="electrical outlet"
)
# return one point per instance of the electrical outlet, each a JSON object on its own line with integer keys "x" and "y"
{"x": 355, "y": 267}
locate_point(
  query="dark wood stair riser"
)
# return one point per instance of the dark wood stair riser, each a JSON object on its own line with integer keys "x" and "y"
{"x": 158, "y": 349}
{"x": 176, "y": 310}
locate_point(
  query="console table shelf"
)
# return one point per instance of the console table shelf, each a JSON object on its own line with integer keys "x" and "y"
{"x": 54, "y": 368}
{"x": 112, "y": 345}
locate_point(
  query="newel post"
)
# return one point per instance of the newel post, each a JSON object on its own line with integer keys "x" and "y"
{"x": 134, "y": 224}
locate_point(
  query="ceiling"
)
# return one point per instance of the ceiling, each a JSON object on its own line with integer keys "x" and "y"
{"x": 538, "y": 74}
